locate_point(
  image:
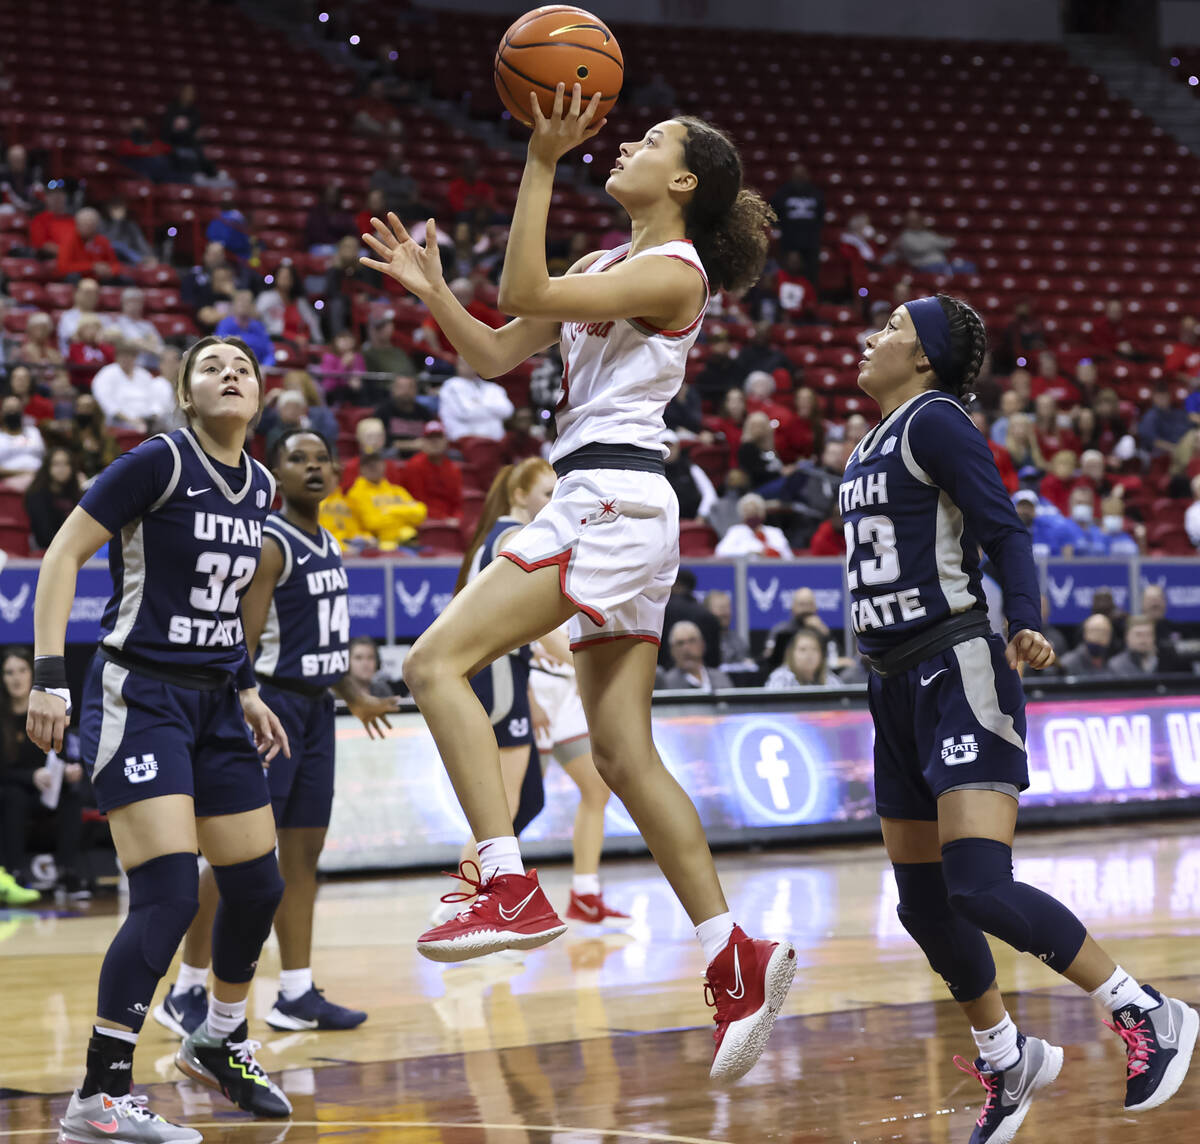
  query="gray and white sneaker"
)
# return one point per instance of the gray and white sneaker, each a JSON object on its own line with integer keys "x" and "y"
{"x": 102, "y": 1119}
{"x": 1010, "y": 1091}
{"x": 1158, "y": 1044}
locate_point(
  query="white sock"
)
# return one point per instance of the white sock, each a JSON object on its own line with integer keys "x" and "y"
{"x": 585, "y": 883}
{"x": 118, "y": 1034}
{"x": 190, "y": 976}
{"x": 295, "y": 983}
{"x": 500, "y": 856}
{"x": 224, "y": 1016}
{"x": 714, "y": 935}
{"x": 998, "y": 1045}
{"x": 1122, "y": 989}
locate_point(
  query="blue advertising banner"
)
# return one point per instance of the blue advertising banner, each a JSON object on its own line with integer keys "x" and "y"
{"x": 770, "y": 585}
{"x": 1180, "y": 580}
{"x": 1071, "y": 584}
{"x": 716, "y": 578}
{"x": 367, "y": 590}
{"x": 421, "y": 590}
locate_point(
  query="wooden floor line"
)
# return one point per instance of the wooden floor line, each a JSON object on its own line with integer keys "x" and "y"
{"x": 601, "y": 1133}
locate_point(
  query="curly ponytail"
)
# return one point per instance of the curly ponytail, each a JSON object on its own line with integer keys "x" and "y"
{"x": 728, "y": 223}
{"x": 968, "y": 347}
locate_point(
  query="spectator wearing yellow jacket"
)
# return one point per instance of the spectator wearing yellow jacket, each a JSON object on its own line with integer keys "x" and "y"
{"x": 384, "y": 510}
{"x": 337, "y": 518}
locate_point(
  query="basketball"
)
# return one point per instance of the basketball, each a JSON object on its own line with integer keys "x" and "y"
{"x": 555, "y": 44}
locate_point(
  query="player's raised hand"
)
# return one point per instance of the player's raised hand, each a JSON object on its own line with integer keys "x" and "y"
{"x": 269, "y": 736}
{"x": 46, "y": 721}
{"x": 1029, "y": 647}
{"x": 372, "y": 711}
{"x": 566, "y": 127}
{"x": 417, "y": 268}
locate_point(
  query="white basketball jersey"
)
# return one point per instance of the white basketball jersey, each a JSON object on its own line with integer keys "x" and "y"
{"x": 619, "y": 376}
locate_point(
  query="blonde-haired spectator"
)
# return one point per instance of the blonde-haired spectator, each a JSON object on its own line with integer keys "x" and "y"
{"x": 804, "y": 664}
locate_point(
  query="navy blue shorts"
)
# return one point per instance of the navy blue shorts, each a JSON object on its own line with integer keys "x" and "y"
{"x": 957, "y": 720}
{"x": 503, "y": 689}
{"x": 142, "y": 737}
{"x": 302, "y": 786}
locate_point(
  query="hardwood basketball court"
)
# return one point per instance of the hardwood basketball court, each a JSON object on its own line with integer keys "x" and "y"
{"x": 607, "y": 1038}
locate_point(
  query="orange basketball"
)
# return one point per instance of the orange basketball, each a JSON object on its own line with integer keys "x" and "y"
{"x": 558, "y": 44}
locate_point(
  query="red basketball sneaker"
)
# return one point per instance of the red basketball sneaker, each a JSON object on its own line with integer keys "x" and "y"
{"x": 747, "y": 983}
{"x": 591, "y": 909}
{"x": 508, "y": 911}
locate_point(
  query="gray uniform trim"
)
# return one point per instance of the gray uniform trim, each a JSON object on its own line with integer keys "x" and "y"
{"x": 502, "y": 689}
{"x": 1003, "y": 788}
{"x": 115, "y": 714}
{"x": 281, "y": 538}
{"x": 268, "y": 642}
{"x": 979, "y": 686}
{"x": 219, "y": 481}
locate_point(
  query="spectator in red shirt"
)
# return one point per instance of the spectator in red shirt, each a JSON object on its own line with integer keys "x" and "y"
{"x": 1049, "y": 379}
{"x": 1054, "y": 433}
{"x": 376, "y": 208}
{"x": 1022, "y": 338}
{"x": 1109, "y": 335}
{"x": 796, "y": 294}
{"x": 87, "y": 353}
{"x": 859, "y": 246}
{"x": 145, "y": 155}
{"x": 1182, "y": 355}
{"x": 1004, "y": 461}
{"x": 803, "y": 437}
{"x": 1058, "y": 484}
{"x": 87, "y": 253}
{"x": 830, "y": 537}
{"x": 1087, "y": 374}
{"x": 760, "y": 398}
{"x": 433, "y": 478}
{"x": 50, "y": 230}
{"x": 375, "y": 115}
{"x": 519, "y": 441}
{"x": 20, "y": 384}
{"x": 469, "y": 196}
{"x": 40, "y": 350}
{"x": 727, "y": 424}
{"x": 1106, "y": 426}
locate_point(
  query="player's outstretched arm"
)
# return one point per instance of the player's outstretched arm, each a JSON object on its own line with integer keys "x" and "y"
{"x": 419, "y": 270}
{"x": 73, "y": 545}
{"x": 370, "y": 710}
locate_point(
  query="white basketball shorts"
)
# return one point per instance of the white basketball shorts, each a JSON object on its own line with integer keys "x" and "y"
{"x": 558, "y": 696}
{"x": 614, "y": 535}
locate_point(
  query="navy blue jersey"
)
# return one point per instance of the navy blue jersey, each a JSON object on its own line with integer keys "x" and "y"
{"x": 307, "y": 634}
{"x": 487, "y": 552}
{"x": 920, "y": 495}
{"x": 187, "y": 534}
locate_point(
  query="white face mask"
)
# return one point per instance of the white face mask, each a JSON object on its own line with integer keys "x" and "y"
{"x": 1113, "y": 523}
{"x": 1081, "y": 513}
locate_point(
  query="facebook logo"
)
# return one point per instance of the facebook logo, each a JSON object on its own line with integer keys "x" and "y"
{"x": 776, "y": 777}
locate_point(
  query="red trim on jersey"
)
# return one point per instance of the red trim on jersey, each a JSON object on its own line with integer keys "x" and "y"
{"x": 572, "y": 739}
{"x": 658, "y": 331}
{"x": 619, "y": 636}
{"x": 563, "y": 560}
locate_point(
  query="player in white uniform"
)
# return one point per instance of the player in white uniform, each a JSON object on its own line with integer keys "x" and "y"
{"x": 604, "y": 552}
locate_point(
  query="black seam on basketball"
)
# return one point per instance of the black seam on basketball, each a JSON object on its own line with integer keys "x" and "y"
{"x": 538, "y": 82}
{"x": 564, "y": 43}
{"x": 498, "y": 78}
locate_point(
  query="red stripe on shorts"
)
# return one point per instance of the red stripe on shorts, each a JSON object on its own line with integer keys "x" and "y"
{"x": 563, "y": 560}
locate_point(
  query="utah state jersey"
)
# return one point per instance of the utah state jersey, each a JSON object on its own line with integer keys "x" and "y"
{"x": 187, "y": 535}
{"x": 307, "y": 634}
{"x": 920, "y": 494}
{"x": 486, "y": 553}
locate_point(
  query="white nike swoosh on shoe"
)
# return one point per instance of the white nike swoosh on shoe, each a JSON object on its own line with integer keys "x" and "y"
{"x": 927, "y": 680}
{"x": 740, "y": 991}
{"x": 508, "y": 917}
{"x": 591, "y": 911}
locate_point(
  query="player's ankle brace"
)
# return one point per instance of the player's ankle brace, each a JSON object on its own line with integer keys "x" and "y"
{"x": 164, "y": 895}
{"x": 979, "y": 878}
{"x": 954, "y": 947}
{"x": 250, "y": 892}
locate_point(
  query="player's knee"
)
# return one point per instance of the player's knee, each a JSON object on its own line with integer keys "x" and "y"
{"x": 974, "y": 870}
{"x": 164, "y": 895}
{"x": 250, "y": 894}
{"x": 418, "y": 669}
{"x": 614, "y": 764}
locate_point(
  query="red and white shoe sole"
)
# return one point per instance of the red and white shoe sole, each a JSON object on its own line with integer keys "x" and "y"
{"x": 745, "y": 1040}
{"x": 481, "y": 942}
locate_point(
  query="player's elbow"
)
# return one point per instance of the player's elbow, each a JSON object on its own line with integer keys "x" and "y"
{"x": 520, "y": 302}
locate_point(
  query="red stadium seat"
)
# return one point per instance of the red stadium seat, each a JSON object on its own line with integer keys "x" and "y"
{"x": 696, "y": 538}
{"x": 441, "y": 535}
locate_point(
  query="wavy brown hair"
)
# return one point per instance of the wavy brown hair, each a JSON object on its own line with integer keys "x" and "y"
{"x": 497, "y": 503}
{"x": 729, "y": 224}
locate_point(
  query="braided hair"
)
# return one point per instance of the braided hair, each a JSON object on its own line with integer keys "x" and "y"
{"x": 968, "y": 347}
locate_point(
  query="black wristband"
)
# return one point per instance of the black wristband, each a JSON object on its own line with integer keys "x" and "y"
{"x": 49, "y": 671}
